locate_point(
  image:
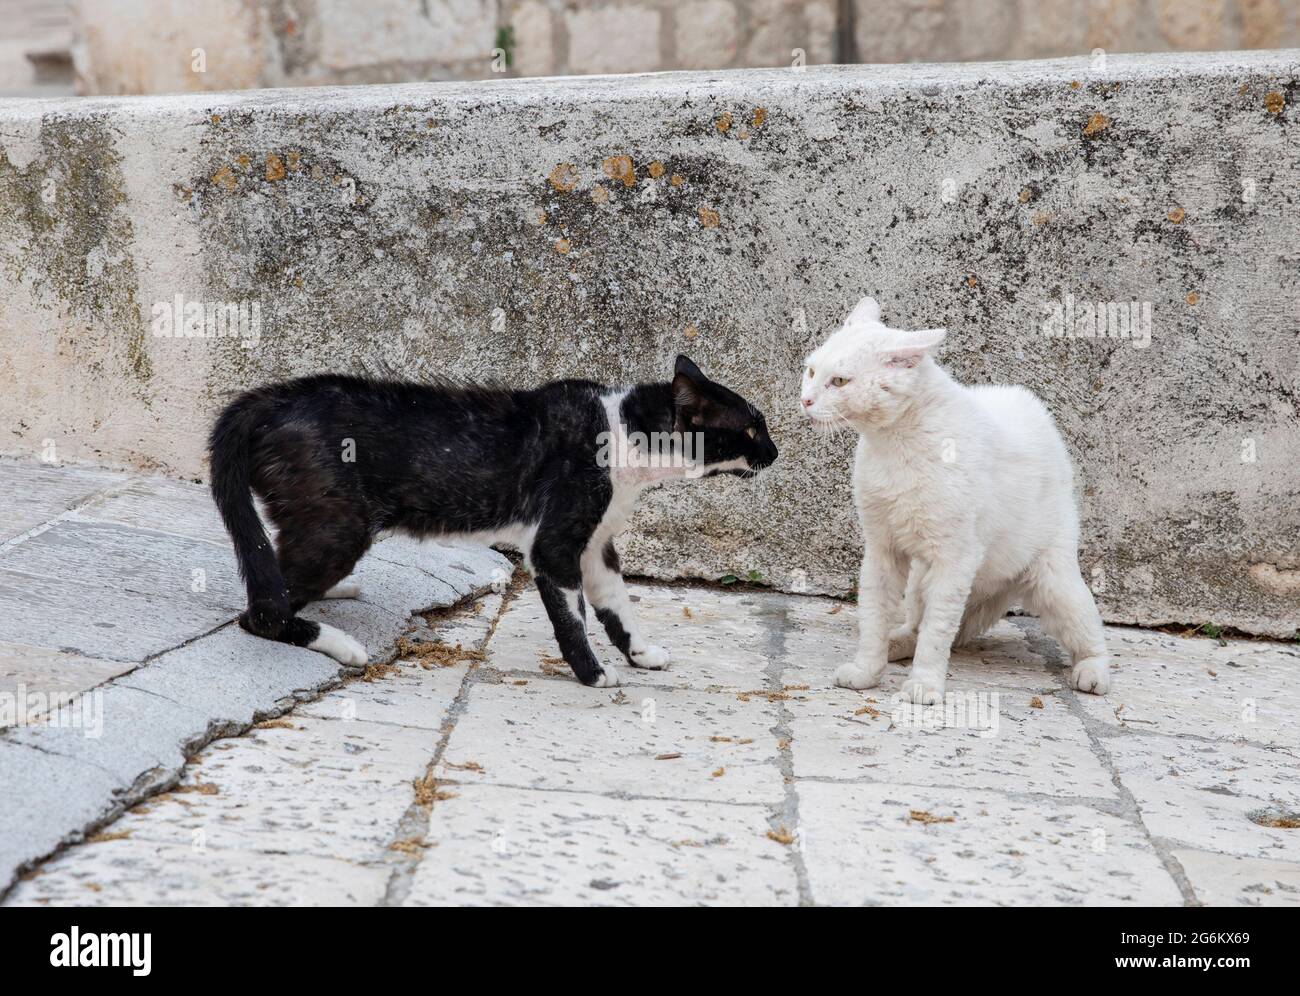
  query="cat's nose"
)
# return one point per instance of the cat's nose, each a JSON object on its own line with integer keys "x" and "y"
{"x": 807, "y": 402}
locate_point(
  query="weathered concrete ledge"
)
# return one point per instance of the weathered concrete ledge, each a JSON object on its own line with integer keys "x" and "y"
{"x": 523, "y": 230}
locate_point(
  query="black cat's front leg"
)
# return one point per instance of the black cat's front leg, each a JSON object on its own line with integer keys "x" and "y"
{"x": 565, "y": 607}
{"x": 602, "y": 580}
{"x": 555, "y": 557}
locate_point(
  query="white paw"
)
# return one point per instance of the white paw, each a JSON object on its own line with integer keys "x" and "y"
{"x": 921, "y": 692}
{"x": 609, "y": 677}
{"x": 344, "y": 589}
{"x": 1091, "y": 675}
{"x": 339, "y": 645}
{"x": 854, "y": 676}
{"x": 902, "y": 644}
{"x": 651, "y": 658}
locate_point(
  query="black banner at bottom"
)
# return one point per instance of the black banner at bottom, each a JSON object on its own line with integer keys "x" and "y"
{"x": 167, "y": 944}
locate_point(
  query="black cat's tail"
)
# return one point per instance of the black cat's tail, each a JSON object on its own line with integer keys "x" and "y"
{"x": 231, "y": 453}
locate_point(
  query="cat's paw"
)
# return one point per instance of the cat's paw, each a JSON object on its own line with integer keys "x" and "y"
{"x": 344, "y": 589}
{"x": 902, "y": 644}
{"x": 652, "y": 658}
{"x": 609, "y": 677}
{"x": 1092, "y": 674}
{"x": 340, "y": 646}
{"x": 855, "y": 676}
{"x": 921, "y": 692}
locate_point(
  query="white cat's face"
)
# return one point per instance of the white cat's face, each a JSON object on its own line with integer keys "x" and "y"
{"x": 865, "y": 374}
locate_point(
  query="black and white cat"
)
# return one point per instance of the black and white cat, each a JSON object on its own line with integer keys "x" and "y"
{"x": 553, "y": 471}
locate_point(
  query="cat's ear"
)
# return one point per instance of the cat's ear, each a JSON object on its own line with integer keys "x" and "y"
{"x": 908, "y": 354}
{"x": 687, "y": 379}
{"x": 685, "y": 366}
{"x": 866, "y": 310}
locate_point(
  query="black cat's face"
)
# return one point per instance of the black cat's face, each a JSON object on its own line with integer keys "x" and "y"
{"x": 728, "y": 433}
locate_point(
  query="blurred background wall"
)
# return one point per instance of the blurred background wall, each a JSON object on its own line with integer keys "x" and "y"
{"x": 52, "y": 47}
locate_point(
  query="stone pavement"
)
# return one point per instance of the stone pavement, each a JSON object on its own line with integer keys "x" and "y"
{"x": 119, "y": 657}
{"x": 487, "y": 775}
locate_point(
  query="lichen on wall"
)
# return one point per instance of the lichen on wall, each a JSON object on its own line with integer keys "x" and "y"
{"x": 66, "y": 235}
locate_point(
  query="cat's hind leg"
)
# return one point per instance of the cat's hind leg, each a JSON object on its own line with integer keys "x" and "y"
{"x": 312, "y": 562}
{"x": 1057, "y": 595}
{"x": 555, "y": 562}
{"x": 344, "y": 589}
{"x": 602, "y": 581}
{"x": 982, "y": 613}
{"x": 902, "y": 639}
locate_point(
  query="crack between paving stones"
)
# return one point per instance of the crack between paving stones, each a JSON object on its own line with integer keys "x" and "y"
{"x": 68, "y": 512}
{"x": 1113, "y": 806}
{"x": 1121, "y": 728}
{"x": 414, "y": 824}
{"x": 466, "y": 593}
{"x": 1050, "y": 652}
{"x": 786, "y": 815}
{"x": 616, "y": 794}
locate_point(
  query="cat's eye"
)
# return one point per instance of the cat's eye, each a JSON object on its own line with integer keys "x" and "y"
{"x": 839, "y": 381}
{"x": 810, "y": 371}
{"x": 751, "y": 432}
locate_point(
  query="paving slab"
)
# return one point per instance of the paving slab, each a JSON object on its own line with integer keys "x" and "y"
{"x": 1231, "y": 880}
{"x": 48, "y": 798}
{"x": 467, "y": 567}
{"x": 982, "y": 739}
{"x": 553, "y": 733}
{"x": 1226, "y": 689}
{"x": 38, "y": 671}
{"x": 820, "y": 639}
{"x": 714, "y": 638}
{"x": 506, "y": 847}
{"x": 1204, "y": 793}
{"x": 409, "y": 698}
{"x": 233, "y": 677}
{"x": 913, "y": 845}
{"x": 140, "y": 738}
{"x": 160, "y": 504}
{"x": 100, "y": 620}
{"x": 307, "y": 786}
{"x": 129, "y": 872}
{"x": 110, "y": 556}
{"x": 32, "y": 494}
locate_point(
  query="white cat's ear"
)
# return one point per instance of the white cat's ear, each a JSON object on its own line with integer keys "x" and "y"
{"x": 909, "y": 353}
{"x": 866, "y": 310}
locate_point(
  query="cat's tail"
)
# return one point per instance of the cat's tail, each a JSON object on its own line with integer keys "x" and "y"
{"x": 231, "y": 454}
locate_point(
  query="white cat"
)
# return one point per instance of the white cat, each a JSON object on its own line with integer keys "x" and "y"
{"x": 969, "y": 488}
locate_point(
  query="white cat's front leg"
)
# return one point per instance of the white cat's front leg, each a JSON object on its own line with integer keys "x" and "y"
{"x": 945, "y": 588}
{"x": 880, "y": 587}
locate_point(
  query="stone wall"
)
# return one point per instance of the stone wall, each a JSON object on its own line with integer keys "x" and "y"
{"x": 524, "y": 230}
{"x": 157, "y": 46}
